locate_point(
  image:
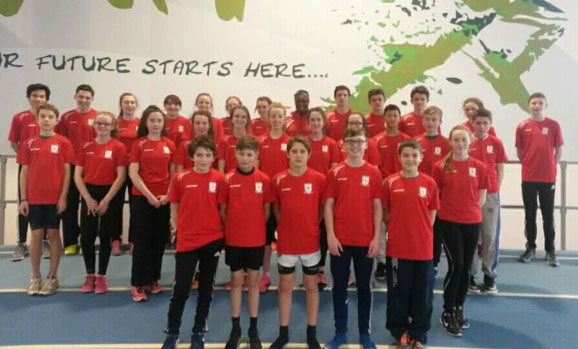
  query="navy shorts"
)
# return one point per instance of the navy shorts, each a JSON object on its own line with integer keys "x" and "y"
{"x": 238, "y": 258}
{"x": 43, "y": 217}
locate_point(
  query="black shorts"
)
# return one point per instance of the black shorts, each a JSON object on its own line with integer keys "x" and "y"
{"x": 43, "y": 217}
{"x": 238, "y": 258}
{"x": 271, "y": 228}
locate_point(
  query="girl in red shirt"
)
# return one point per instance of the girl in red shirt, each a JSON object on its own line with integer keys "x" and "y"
{"x": 202, "y": 126}
{"x": 150, "y": 170}
{"x": 260, "y": 126}
{"x": 178, "y": 127}
{"x": 99, "y": 174}
{"x": 204, "y": 102}
{"x": 462, "y": 184}
{"x": 127, "y": 133}
{"x": 240, "y": 126}
{"x": 357, "y": 121}
{"x": 230, "y": 103}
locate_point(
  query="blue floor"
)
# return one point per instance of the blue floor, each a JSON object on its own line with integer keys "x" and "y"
{"x": 528, "y": 313}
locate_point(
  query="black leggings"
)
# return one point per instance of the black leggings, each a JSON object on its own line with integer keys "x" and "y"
{"x": 186, "y": 263}
{"x": 460, "y": 242}
{"x": 70, "y": 227}
{"x": 90, "y": 228}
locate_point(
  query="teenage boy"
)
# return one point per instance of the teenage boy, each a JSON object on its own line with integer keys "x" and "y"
{"x": 245, "y": 206}
{"x": 297, "y": 123}
{"x": 434, "y": 147}
{"x": 489, "y": 150}
{"x": 24, "y": 127}
{"x": 78, "y": 126}
{"x": 337, "y": 118}
{"x": 298, "y": 194}
{"x": 195, "y": 214}
{"x": 44, "y": 182}
{"x": 375, "y": 119}
{"x": 410, "y": 201}
{"x": 353, "y": 217}
{"x": 412, "y": 123}
{"x": 539, "y": 148}
{"x": 178, "y": 127}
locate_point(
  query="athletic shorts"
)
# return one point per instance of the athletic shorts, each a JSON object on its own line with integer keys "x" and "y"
{"x": 309, "y": 262}
{"x": 238, "y": 258}
{"x": 43, "y": 217}
{"x": 271, "y": 228}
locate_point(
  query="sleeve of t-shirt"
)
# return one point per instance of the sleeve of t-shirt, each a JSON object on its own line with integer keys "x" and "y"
{"x": 335, "y": 153}
{"x": 175, "y": 191}
{"x": 322, "y": 188}
{"x": 376, "y": 184}
{"x": 173, "y": 149}
{"x": 434, "y": 200}
{"x": 121, "y": 157}
{"x": 82, "y": 157}
{"x": 219, "y": 131}
{"x": 501, "y": 156}
{"x": 61, "y": 128}
{"x": 267, "y": 190}
{"x": 135, "y": 153}
{"x": 482, "y": 177}
{"x": 179, "y": 158}
{"x": 558, "y": 140}
{"x": 14, "y": 135}
{"x": 519, "y": 137}
{"x": 330, "y": 186}
{"x": 68, "y": 151}
{"x": 374, "y": 157}
{"x": 386, "y": 197}
{"x": 275, "y": 197}
{"x": 437, "y": 175}
{"x": 24, "y": 154}
{"x": 223, "y": 197}
{"x": 401, "y": 126}
{"x": 221, "y": 150}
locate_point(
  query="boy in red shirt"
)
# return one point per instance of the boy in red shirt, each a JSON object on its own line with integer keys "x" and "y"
{"x": 178, "y": 127}
{"x": 195, "y": 214}
{"x": 44, "y": 182}
{"x": 337, "y": 118}
{"x": 298, "y": 194}
{"x": 539, "y": 147}
{"x": 489, "y": 150}
{"x": 376, "y": 119}
{"x": 297, "y": 124}
{"x": 78, "y": 126}
{"x": 245, "y": 206}
{"x": 410, "y": 201}
{"x": 412, "y": 123}
{"x": 23, "y": 127}
{"x": 353, "y": 216}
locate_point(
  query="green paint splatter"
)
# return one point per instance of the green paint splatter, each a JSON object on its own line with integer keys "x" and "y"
{"x": 161, "y": 6}
{"x": 229, "y": 9}
{"x": 121, "y": 4}
{"x": 9, "y": 8}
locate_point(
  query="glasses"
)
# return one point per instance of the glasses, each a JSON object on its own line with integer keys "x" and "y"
{"x": 354, "y": 141}
{"x": 355, "y": 123}
{"x": 98, "y": 123}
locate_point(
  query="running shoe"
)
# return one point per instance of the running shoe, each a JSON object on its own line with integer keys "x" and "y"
{"x": 88, "y": 283}
{"x": 19, "y": 253}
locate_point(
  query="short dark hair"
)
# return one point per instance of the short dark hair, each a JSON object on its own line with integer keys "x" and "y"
{"x": 536, "y": 95}
{"x": 173, "y": 99}
{"x": 375, "y": 92}
{"x": 37, "y": 87}
{"x": 421, "y": 90}
{"x": 482, "y": 113}
{"x": 409, "y": 143}
{"x": 392, "y": 107}
{"x": 142, "y": 130}
{"x": 85, "y": 87}
{"x": 202, "y": 142}
{"x": 299, "y": 139}
{"x": 301, "y": 93}
{"x": 50, "y": 107}
{"x": 247, "y": 143}
{"x": 351, "y": 132}
{"x": 339, "y": 88}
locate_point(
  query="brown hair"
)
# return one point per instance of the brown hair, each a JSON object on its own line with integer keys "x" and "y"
{"x": 209, "y": 117}
{"x": 421, "y": 90}
{"x": 50, "y": 107}
{"x": 350, "y": 132}
{"x": 201, "y": 95}
{"x": 143, "y": 130}
{"x": 247, "y": 143}
{"x": 363, "y": 122}
{"x": 202, "y": 142}
{"x": 173, "y": 99}
{"x": 482, "y": 113}
{"x": 433, "y": 110}
{"x": 114, "y": 131}
{"x": 126, "y": 94}
{"x": 409, "y": 143}
{"x": 536, "y": 95}
{"x": 447, "y": 161}
{"x": 474, "y": 100}
{"x": 299, "y": 139}
{"x": 375, "y": 92}
{"x": 231, "y": 97}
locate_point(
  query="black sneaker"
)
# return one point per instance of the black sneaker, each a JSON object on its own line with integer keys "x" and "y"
{"x": 234, "y": 338}
{"x": 473, "y": 287}
{"x": 448, "y": 321}
{"x": 171, "y": 341}
{"x": 380, "y": 271}
{"x": 527, "y": 256}
{"x": 489, "y": 285}
{"x": 198, "y": 341}
{"x": 463, "y": 322}
{"x": 551, "y": 259}
{"x": 254, "y": 341}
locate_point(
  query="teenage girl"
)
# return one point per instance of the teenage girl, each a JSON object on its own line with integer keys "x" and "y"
{"x": 230, "y": 103}
{"x": 202, "y": 126}
{"x": 240, "y": 126}
{"x": 260, "y": 126}
{"x": 178, "y": 128}
{"x": 204, "y": 102}
{"x": 357, "y": 121}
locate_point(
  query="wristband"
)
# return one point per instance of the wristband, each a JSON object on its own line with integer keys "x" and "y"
{"x": 22, "y": 200}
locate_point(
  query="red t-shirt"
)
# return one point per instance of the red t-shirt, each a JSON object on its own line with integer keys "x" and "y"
{"x": 78, "y": 128}
{"x": 273, "y": 154}
{"x": 178, "y": 129}
{"x": 324, "y": 152}
{"x": 354, "y": 189}
{"x": 297, "y": 125}
{"x": 459, "y": 190}
{"x": 299, "y": 200}
{"x": 245, "y": 196}
{"x": 218, "y": 132}
{"x": 259, "y": 128}
{"x": 182, "y": 155}
{"x": 226, "y": 151}
{"x": 371, "y": 154}
{"x": 490, "y": 151}
{"x": 127, "y": 132}
{"x": 154, "y": 159}
{"x": 24, "y": 126}
{"x": 227, "y": 129}
{"x": 388, "y": 152}
{"x": 45, "y": 158}
{"x": 100, "y": 161}
{"x": 375, "y": 124}
{"x": 409, "y": 228}
{"x": 538, "y": 140}
{"x": 470, "y": 127}
{"x": 198, "y": 220}
{"x": 433, "y": 150}
{"x": 336, "y": 124}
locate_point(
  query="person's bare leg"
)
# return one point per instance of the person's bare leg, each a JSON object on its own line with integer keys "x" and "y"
{"x": 236, "y": 288}
{"x": 35, "y": 251}
{"x": 253, "y": 281}
{"x": 286, "y": 283}
{"x": 312, "y": 298}
{"x": 55, "y": 251}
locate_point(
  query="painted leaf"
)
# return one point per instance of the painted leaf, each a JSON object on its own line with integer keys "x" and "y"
{"x": 122, "y": 4}
{"x": 10, "y": 7}
{"x": 161, "y": 6}
{"x": 227, "y": 9}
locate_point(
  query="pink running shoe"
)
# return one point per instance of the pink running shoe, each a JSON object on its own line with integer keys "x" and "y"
{"x": 156, "y": 288}
{"x": 264, "y": 283}
{"x": 138, "y": 294}
{"x": 101, "y": 284}
{"x": 88, "y": 284}
{"x": 116, "y": 248}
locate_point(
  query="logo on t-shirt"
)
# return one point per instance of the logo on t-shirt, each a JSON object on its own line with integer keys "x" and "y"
{"x": 324, "y": 148}
{"x": 308, "y": 188}
{"x": 284, "y": 146}
{"x": 365, "y": 181}
{"x": 212, "y": 187}
{"x": 54, "y": 148}
{"x": 108, "y": 154}
{"x": 489, "y": 149}
{"x": 258, "y": 187}
{"x": 544, "y": 130}
{"x": 166, "y": 150}
{"x": 422, "y": 192}
{"x": 437, "y": 150}
{"x": 472, "y": 171}
{"x": 181, "y": 128}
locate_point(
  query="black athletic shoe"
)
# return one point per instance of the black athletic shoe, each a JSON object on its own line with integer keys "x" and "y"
{"x": 255, "y": 341}
{"x": 234, "y": 338}
{"x": 551, "y": 259}
{"x": 279, "y": 343}
{"x": 450, "y": 324}
{"x": 473, "y": 287}
{"x": 198, "y": 341}
{"x": 527, "y": 256}
{"x": 380, "y": 271}
{"x": 171, "y": 341}
{"x": 463, "y": 322}
{"x": 489, "y": 285}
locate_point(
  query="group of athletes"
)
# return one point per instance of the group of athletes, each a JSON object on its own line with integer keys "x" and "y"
{"x": 311, "y": 181}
